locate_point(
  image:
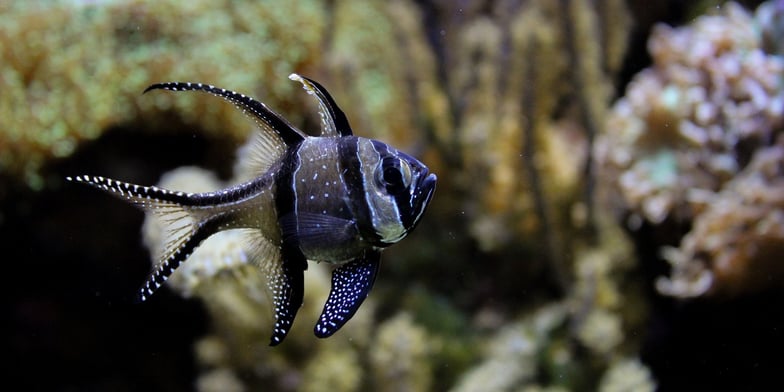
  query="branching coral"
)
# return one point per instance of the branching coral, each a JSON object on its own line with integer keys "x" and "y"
{"x": 737, "y": 243}
{"x": 693, "y": 141}
{"x": 559, "y": 345}
{"x": 534, "y": 354}
{"x": 511, "y": 355}
{"x": 693, "y": 120}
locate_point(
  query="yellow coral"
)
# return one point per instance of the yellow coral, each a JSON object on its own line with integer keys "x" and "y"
{"x": 513, "y": 73}
{"x": 400, "y": 356}
{"x": 70, "y": 71}
{"x": 627, "y": 375}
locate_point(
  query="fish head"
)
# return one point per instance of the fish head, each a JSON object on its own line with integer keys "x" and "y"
{"x": 398, "y": 190}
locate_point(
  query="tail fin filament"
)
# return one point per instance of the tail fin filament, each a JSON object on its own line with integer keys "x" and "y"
{"x": 185, "y": 227}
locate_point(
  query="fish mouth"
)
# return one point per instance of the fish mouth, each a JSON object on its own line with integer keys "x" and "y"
{"x": 420, "y": 198}
{"x": 427, "y": 184}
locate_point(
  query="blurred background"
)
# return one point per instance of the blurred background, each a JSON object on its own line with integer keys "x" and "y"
{"x": 609, "y": 213}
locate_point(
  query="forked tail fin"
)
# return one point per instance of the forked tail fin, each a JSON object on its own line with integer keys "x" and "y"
{"x": 187, "y": 225}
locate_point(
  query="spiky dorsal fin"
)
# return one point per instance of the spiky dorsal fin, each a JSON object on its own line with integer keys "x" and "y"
{"x": 333, "y": 121}
{"x": 267, "y": 119}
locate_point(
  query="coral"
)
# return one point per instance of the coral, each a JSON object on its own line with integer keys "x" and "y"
{"x": 83, "y": 65}
{"x": 220, "y": 380}
{"x": 605, "y": 302}
{"x": 691, "y": 122}
{"x": 565, "y": 344}
{"x": 737, "y": 242}
{"x": 512, "y": 354}
{"x": 333, "y": 369}
{"x": 533, "y": 354}
{"x": 693, "y": 141}
{"x": 522, "y": 152}
{"x": 628, "y": 375}
{"x": 400, "y": 356}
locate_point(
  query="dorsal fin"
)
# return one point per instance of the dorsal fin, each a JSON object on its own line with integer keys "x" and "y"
{"x": 257, "y": 156}
{"x": 264, "y": 116}
{"x": 333, "y": 121}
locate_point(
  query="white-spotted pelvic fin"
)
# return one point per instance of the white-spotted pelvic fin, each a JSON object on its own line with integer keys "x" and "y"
{"x": 351, "y": 284}
{"x": 333, "y": 121}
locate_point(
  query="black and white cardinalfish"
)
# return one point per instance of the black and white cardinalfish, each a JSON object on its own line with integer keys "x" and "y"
{"x": 335, "y": 198}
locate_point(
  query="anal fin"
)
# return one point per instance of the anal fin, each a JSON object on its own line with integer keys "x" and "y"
{"x": 351, "y": 284}
{"x": 288, "y": 286}
{"x": 178, "y": 250}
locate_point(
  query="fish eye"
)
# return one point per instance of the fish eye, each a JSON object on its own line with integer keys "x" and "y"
{"x": 394, "y": 175}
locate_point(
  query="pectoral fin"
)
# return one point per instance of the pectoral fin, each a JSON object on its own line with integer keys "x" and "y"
{"x": 351, "y": 284}
{"x": 317, "y": 230}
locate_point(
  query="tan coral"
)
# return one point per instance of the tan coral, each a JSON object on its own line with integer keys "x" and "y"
{"x": 690, "y": 142}
{"x": 737, "y": 243}
{"x": 514, "y": 72}
{"x": 686, "y": 122}
{"x": 627, "y": 375}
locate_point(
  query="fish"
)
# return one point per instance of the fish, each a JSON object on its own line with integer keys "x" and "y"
{"x": 334, "y": 198}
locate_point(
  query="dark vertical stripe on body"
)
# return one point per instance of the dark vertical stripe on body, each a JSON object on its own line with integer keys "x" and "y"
{"x": 286, "y": 191}
{"x": 402, "y": 199}
{"x": 354, "y": 182}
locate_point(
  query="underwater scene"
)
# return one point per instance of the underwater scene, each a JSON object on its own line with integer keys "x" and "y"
{"x": 608, "y": 213}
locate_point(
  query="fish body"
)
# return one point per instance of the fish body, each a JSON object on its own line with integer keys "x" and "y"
{"x": 335, "y": 198}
